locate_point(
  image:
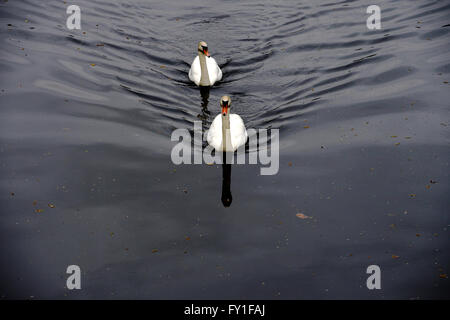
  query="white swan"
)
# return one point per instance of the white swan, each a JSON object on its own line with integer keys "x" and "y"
{"x": 204, "y": 69}
{"x": 227, "y": 132}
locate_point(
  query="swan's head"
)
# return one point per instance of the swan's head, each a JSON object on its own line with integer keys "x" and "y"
{"x": 203, "y": 48}
{"x": 225, "y": 103}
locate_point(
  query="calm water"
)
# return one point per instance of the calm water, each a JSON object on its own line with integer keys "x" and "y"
{"x": 85, "y": 124}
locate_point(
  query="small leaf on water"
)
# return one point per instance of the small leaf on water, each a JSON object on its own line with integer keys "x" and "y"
{"x": 302, "y": 216}
{"x": 51, "y": 205}
{"x": 395, "y": 257}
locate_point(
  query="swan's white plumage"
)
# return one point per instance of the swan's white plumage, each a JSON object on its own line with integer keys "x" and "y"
{"x": 195, "y": 73}
{"x": 214, "y": 72}
{"x": 237, "y": 131}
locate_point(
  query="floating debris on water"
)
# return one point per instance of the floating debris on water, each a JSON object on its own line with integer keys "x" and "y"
{"x": 302, "y": 216}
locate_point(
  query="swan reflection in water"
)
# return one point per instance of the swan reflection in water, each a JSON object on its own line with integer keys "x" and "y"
{"x": 226, "y": 183}
{"x": 204, "y": 93}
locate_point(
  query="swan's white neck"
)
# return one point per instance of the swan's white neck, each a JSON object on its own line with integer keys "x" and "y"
{"x": 204, "y": 79}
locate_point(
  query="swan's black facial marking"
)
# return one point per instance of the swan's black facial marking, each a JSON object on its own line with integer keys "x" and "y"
{"x": 204, "y": 49}
{"x": 225, "y": 106}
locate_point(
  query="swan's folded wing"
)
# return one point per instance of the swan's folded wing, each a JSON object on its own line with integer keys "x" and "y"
{"x": 214, "y": 136}
{"x": 214, "y": 72}
{"x": 238, "y": 131}
{"x": 219, "y": 73}
{"x": 195, "y": 72}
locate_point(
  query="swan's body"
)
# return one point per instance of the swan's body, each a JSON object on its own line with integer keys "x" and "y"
{"x": 237, "y": 132}
{"x": 204, "y": 69}
{"x": 228, "y": 127}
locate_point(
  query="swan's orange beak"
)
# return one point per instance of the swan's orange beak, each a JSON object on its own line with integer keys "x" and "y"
{"x": 224, "y": 110}
{"x": 206, "y": 53}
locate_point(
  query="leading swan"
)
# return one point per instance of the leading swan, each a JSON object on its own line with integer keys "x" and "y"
{"x": 227, "y": 132}
{"x": 204, "y": 69}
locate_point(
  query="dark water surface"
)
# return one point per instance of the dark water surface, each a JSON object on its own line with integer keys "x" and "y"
{"x": 85, "y": 124}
